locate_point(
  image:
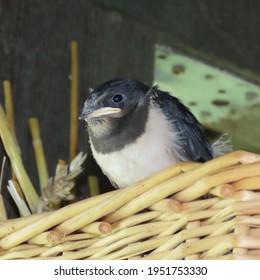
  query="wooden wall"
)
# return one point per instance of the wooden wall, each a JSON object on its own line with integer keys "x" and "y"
{"x": 224, "y": 33}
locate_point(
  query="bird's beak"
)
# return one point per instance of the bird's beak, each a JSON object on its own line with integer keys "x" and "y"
{"x": 99, "y": 113}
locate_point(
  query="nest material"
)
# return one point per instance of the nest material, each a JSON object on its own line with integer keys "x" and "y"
{"x": 187, "y": 211}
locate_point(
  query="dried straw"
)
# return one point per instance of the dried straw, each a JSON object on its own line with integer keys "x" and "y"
{"x": 13, "y": 153}
{"x": 39, "y": 153}
{"x": 93, "y": 185}
{"x": 74, "y": 100}
{"x": 9, "y": 109}
{"x": 3, "y": 215}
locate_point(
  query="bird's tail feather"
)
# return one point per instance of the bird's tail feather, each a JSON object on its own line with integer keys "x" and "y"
{"x": 222, "y": 145}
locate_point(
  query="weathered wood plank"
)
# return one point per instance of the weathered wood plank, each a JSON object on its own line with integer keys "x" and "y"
{"x": 225, "y": 33}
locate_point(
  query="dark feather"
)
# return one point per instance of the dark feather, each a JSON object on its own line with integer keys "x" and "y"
{"x": 193, "y": 143}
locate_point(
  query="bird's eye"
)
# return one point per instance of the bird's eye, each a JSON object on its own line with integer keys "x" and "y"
{"x": 117, "y": 98}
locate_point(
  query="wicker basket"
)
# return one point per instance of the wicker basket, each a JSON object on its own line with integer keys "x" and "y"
{"x": 187, "y": 211}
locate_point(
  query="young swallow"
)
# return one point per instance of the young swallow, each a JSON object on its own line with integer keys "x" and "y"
{"x": 135, "y": 131}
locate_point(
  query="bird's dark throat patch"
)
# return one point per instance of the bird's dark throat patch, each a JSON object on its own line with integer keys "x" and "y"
{"x": 113, "y": 134}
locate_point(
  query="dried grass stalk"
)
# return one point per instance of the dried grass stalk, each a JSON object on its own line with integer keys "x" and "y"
{"x": 13, "y": 153}
{"x": 74, "y": 100}
{"x": 3, "y": 215}
{"x": 93, "y": 185}
{"x": 9, "y": 108}
{"x": 19, "y": 201}
{"x": 39, "y": 152}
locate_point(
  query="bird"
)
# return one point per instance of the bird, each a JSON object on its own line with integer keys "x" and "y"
{"x": 135, "y": 131}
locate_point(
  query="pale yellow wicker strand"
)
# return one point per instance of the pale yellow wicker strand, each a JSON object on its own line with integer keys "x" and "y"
{"x": 44, "y": 238}
{"x": 192, "y": 225}
{"x": 181, "y": 182}
{"x": 67, "y": 247}
{"x": 97, "y": 228}
{"x": 247, "y": 183}
{"x": 80, "y": 236}
{"x": 199, "y": 246}
{"x": 74, "y": 255}
{"x": 24, "y": 246}
{"x": 49, "y": 221}
{"x": 226, "y": 222}
{"x": 203, "y": 186}
{"x": 135, "y": 249}
{"x": 195, "y": 233}
{"x": 23, "y": 254}
{"x": 12, "y": 225}
{"x": 135, "y": 220}
{"x": 119, "y": 199}
{"x": 241, "y": 230}
{"x": 124, "y": 243}
{"x": 199, "y": 204}
{"x": 254, "y": 232}
{"x": 125, "y": 233}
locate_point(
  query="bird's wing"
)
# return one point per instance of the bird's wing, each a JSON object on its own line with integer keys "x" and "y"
{"x": 193, "y": 145}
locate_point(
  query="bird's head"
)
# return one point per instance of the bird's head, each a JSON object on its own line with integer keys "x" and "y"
{"x": 111, "y": 105}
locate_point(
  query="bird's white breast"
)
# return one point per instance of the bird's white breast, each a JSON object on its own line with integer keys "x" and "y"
{"x": 151, "y": 152}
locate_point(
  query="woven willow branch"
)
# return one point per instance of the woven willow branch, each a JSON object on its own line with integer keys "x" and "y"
{"x": 187, "y": 211}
